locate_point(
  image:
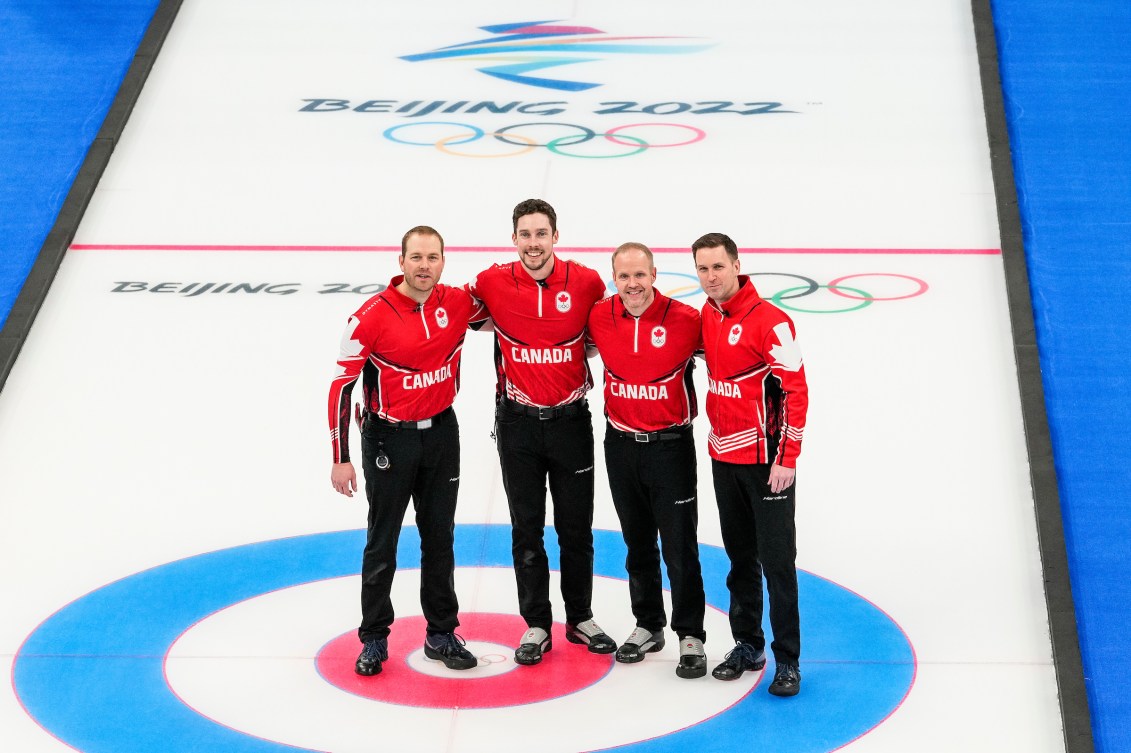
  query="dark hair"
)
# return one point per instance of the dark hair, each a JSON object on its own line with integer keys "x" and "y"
{"x": 711, "y": 240}
{"x": 421, "y": 230}
{"x": 535, "y": 206}
{"x": 633, "y": 246}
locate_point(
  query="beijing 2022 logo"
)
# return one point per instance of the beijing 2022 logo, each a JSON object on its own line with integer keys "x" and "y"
{"x": 517, "y": 49}
{"x": 519, "y": 54}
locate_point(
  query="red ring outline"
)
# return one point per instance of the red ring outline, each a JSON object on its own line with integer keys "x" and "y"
{"x": 567, "y": 669}
{"x": 923, "y": 287}
{"x": 611, "y": 133}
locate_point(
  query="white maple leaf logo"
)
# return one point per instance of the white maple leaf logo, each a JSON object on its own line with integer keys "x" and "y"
{"x": 786, "y": 354}
{"x": 350, "y": 348}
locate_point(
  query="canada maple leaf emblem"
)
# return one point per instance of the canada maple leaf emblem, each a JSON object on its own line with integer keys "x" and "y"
{"x": 787, "y": 354}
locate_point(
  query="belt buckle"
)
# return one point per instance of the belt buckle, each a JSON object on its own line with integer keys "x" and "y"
{"x": 425, "y": 424}
{"x": 641, "y": 436}
{"x": 545, "y": 414}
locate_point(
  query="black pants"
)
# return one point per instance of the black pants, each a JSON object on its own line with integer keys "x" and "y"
{"x": 560, "y": 449}
{"x": 653, "y": 488}
{"x": 760, "y": 538}
{"x": 424, "y": 466}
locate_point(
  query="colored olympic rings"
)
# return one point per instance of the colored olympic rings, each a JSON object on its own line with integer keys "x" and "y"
{"x": 922, "y": 286}
{"x": 811, "y": 285}
{"x": 682, "y": 285}
{"x": 778, "y": 297}
{"x": 476, "y": 133}
{"x": 837, "y": 287}
{"x": 443, "y": 143}
{"x": 585, "y": 135}
{"x": 641, "y": 146}
{"x": 555, "y": 137}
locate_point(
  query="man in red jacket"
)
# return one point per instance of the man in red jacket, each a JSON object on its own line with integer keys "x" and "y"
{"x": 648, "y": 342}
{"x": 406, "y": 344}
{"x": 756, "y": 403}
{"x": 538, "y": 307}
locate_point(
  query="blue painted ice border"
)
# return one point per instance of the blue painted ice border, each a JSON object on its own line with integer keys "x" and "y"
{"x": 67, "y": 119}
{"x": 1074, "y": 710}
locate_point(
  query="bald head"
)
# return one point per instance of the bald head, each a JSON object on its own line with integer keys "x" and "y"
{"x": 634, "y": 274}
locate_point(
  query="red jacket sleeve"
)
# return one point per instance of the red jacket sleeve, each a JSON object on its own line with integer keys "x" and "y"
{"x": 351, "y": 359}
{"x": 784, "y": 358}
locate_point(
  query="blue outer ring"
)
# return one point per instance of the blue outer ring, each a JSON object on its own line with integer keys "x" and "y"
{"x": 91, "y": 674}
{"x": 477, "y": 132}
{"x": 611, "y": 285}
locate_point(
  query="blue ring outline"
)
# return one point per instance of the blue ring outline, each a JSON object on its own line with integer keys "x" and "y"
{"x": 478, "y": 132}
{"x": 611, "y": 284}
{"x": 694, "y": 278}
{"x": 92, "y": 674}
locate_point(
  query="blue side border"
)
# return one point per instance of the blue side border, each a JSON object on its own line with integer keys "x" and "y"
{"x": 18, "y": 324}
{"x": 1059, "y": 601}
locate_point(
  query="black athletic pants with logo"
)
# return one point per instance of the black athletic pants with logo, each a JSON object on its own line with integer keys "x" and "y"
{"x": 532, "y": 450}
{"x": 760, "y": 538}
{"x": 424, "y": 466}
{"x": 653, "y": 488}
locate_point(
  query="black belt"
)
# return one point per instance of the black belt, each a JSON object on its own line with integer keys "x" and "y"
{"x": 545, "y": 414}
{"x": 427, "y": 423}
{"x": 673, "y": 432}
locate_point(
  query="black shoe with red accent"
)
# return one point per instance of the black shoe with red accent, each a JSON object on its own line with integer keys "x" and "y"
{"x": 534, "y": 643}
{"x": 692, "y": 659}
{"x": 590, "y": 634}
{"x": 641, "y": 641}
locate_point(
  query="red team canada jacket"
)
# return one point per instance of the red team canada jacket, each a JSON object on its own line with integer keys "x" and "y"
{"x": 648, "y": 362}
{"x": 540, "y": 330}
{"x": 408, "y": 355}
{"x": 757, "y": 395}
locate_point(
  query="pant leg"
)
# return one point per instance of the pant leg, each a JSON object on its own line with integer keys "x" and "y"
{"x": 739, "y": 531}
{"x": 675, "y": 508}
{"x": 434, "y": 496}
{"x": 388, "y": 493}
{"x": 623, "y": 460}
{"x": 777, "y": 551}
{"x": 523, "y": 464}
{"x": 569, "y": 457}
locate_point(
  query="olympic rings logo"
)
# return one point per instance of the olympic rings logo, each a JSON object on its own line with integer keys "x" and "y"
{"x": 565, "y": 139}
{"x": 892, "y": 287}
